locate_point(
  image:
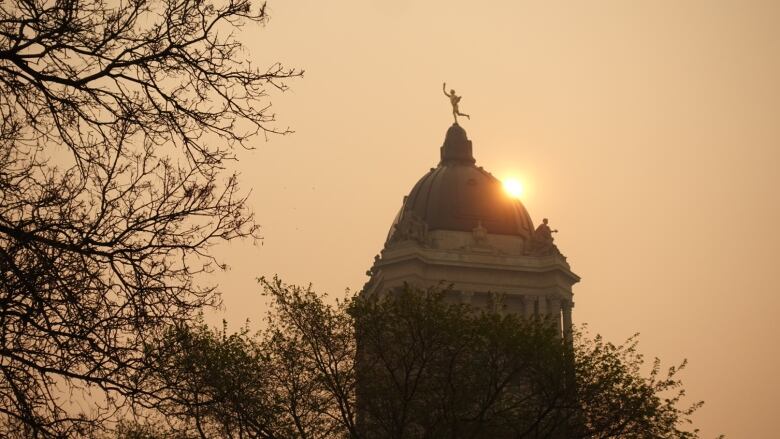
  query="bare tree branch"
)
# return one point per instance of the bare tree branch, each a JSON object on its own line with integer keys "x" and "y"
{"x": 116, "y": 119}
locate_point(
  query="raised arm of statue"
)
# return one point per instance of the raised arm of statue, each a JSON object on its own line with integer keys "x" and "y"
{"x": 444, "y": 89}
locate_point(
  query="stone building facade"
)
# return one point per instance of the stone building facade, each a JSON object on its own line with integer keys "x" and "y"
{"x": 458, "y": 228}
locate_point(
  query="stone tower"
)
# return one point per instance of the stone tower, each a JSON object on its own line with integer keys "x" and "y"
{"x": 458, "y": 227}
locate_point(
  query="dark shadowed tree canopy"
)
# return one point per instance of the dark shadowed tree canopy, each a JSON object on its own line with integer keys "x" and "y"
{"x": 116, "y": 118}
{"x": 409, "y": 366}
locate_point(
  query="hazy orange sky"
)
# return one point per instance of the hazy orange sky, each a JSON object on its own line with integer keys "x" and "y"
{"x": 647, "y": 132}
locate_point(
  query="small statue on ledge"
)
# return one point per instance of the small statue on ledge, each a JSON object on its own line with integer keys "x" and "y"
{"x": 479, "y": 234}
{"x": 542, "y": 241}
{"x": 454, "y": 100}
{"x": 411, "y": 227}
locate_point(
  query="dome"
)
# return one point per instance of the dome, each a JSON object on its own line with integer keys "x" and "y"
{"x": 458, "y": 196}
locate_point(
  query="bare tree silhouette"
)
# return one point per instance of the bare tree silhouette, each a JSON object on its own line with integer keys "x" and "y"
{"x": 116, "y": 120}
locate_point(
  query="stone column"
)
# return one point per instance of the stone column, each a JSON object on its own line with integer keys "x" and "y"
{"x": 554, "y": 314}
{"x": 567, "y": 323}
{"x": 528, "y": 306}
{"x": 494, "y": 302}
{"x": 544, "y": 307}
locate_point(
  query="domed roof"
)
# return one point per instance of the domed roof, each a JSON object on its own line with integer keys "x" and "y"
{"x": 457, "y": 195}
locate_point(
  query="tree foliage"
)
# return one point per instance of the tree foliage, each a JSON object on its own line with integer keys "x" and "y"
{"x": 215, "y": 384}
{"x": 413, "y": 365}
{"x": 294, "y": 379}
{"x": 116, "y": 120}
{"x": 432, "y": 369}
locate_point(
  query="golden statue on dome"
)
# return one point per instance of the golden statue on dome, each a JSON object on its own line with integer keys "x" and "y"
{"x": 454, "y": 100}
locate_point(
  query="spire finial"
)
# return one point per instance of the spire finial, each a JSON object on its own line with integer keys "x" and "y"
{"x": 457, "y": 146}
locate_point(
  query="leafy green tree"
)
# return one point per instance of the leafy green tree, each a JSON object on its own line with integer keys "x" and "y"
{"x": 432, "y": 369}
{"x": 412, "y": 365}
{"x": 214, "y": 384}
{"x": 116, "y": 121}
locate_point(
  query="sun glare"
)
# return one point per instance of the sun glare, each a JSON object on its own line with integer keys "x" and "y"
{"x": 513, "y": 187}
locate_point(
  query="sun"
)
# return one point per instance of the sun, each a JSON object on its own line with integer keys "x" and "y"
{"x": 513, "y": 187}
